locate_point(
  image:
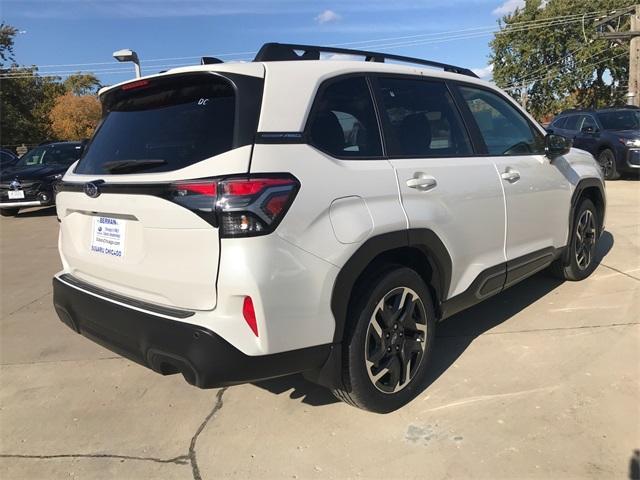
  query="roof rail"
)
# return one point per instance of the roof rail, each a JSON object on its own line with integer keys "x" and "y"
{"x": 282, "y": 52}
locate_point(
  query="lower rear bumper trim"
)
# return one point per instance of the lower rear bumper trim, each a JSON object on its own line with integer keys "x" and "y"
{"x": 167, "y": 346}
{"x": 34, "y": 203}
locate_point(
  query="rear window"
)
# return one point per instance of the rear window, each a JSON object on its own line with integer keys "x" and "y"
{"x": 162, "y": 125}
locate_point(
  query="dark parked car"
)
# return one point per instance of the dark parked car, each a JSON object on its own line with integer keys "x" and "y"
{"x": 7, "y": 159}
{"x": 611, "y": 135}
{"x": 30, "y": 182}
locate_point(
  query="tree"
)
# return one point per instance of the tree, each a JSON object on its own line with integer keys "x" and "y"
{"x": 7, "y": 33}
{"x": 75, "y": 117}
{"x": 559, "y": 63}
{"x": 82, "y": 84}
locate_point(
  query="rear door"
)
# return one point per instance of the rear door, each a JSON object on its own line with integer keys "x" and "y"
{"x": 445, "y": 187}
{"x": 137, "y": 211}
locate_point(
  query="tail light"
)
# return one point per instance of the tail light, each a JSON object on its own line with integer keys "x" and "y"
{"x": 240, "y": 206}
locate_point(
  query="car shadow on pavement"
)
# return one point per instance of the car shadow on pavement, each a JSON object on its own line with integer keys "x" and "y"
{"x": 453, "y": 336}
{"x": 40, "y": 212}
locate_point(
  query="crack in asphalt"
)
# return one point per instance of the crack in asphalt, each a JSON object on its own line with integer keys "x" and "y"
{"x": 621, "y": 272}
{"x": 180, "y": 460}
{"x": 40, "y": 362}
{"x": 27, "y": 304}
{"x": 550, "y": 329}
{"x": 195, "y": 470}
{"x": 189, "y": 458}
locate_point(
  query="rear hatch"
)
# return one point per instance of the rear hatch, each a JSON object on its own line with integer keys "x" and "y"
{"x": 137, "y": 211}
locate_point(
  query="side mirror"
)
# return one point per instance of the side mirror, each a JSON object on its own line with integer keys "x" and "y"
{"x": 588, "y": 129}
{"x": 556, "y": 145}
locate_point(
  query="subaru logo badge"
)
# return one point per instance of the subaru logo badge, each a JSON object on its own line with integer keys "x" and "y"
{"x": 91, "y": 190}
{"x": 15, "y": 185}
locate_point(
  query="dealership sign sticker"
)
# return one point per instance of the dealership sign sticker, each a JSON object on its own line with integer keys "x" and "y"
{"x": 108, "y": 236}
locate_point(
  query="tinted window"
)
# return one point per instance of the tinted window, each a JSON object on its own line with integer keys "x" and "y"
{"x": 620, "y": 120}
{"x": 587, "y": 121}
{"x": 166, "y": 125}
{"x": 344, "y": 122}
{"x": 60, "y": 154}
{"x": 572, "y": 122}
{"x": 504, "y": 129}
{"x": 423, "y": 118}
{"x": 559, "y": 122}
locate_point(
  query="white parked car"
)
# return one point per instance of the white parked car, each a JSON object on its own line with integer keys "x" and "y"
{"x": 235, "y": 222}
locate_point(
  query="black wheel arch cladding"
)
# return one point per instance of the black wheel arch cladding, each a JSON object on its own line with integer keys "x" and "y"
{"x": 422, "y": 241}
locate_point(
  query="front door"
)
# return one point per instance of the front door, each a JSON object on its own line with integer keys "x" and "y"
{"x": 536, "y": 189}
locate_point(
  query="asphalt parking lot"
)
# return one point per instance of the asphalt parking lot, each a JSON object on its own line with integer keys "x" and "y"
{"x": 542, "y": 381}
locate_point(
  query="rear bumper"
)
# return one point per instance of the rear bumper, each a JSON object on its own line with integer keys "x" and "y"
{"x": 172, "y": 346}
{"x": 33, "y": 203}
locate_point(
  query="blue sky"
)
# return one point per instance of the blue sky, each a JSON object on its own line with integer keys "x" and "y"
{"x": 74, "y": 32}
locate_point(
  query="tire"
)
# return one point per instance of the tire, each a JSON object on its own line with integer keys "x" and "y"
{"x": 607, "y": 162}
{"x": 398, "y": 342}
{"x": 9, "y": 212}
{"x": 582, "y": 246}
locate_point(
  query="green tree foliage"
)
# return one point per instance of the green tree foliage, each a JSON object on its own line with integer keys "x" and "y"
{"x": 561, "y": 65}
{"x": 27, "y": 99}
{"x": 7, "y": 33}
{"x": 82, "y": 84}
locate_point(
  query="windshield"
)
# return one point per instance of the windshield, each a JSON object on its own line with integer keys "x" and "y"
{"x": 620, "y": 120}
{"x": 56, "y": 154}
{"x": 162, "y": 125}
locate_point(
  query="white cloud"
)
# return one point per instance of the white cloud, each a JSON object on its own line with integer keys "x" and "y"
{"x": 485, "y": 72}
{"x": 328, "y": 16}
{"x": 509, "y": 6}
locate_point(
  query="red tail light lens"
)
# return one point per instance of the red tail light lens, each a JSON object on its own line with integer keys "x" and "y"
{"x": 199, "y": 196}
{"x": 134, "y": 85}
{"x": 240, "y": 207}
{"x": 249, "y": 314}
{"x": 254, "y": 205}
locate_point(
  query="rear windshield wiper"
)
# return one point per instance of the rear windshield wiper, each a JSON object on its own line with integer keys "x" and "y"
{"x": 123, "y": 166}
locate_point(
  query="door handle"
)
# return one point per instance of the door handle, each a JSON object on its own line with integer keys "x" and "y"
{"x": 422, "y": 182}
{"x": 511, "y": 175}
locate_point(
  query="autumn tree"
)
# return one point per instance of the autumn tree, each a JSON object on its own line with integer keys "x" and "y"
{"x": 560, "y": 63}
{"x": 75, "y": 117}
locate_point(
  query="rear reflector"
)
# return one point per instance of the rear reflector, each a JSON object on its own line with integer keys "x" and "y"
{"x": 249, "y": 315}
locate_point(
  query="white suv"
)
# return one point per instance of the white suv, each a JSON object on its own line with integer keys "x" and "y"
{"x": 235, "y": 222}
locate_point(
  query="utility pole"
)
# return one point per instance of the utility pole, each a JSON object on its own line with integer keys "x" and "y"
{"x": 524, "y": 95}
{"x": 612, "y": 23}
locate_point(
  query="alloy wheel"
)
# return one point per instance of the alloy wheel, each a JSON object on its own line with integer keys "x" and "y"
{"x": 585, "y": 241}
{"x": 396, "y": 340}
{"x": 606, "y": 160}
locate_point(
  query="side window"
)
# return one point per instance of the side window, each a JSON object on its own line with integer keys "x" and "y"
{"x": 423, "y": 118}
{"x": 560, "y": 122}
{"x": 589, "y": 122}
{"x": 572, "y": 122}
{"x": 504, "y": 129}
{"x": 343, "y": 122}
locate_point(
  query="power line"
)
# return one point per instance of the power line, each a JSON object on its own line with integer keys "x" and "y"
{"x": 542, "y": 79}
{"x": 574, "y": 17}
{"x": 527, "y": 78}
{"x": 447, "y": 36}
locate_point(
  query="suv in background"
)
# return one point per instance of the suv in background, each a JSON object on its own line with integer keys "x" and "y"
{"x": 231, "y": 225}
{"x": 612, "y": 135}
{"x": 7, "y": 159}
{"x": 30, "y": 181}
